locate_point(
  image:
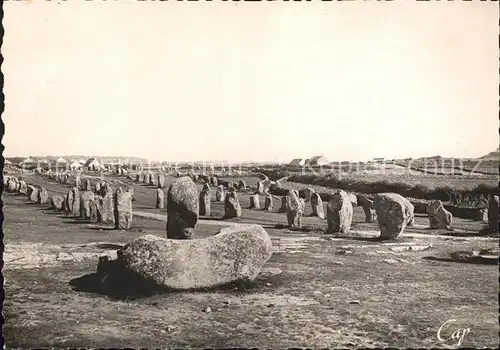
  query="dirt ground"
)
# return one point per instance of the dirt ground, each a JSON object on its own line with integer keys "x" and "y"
{"x": 316, "y": 291}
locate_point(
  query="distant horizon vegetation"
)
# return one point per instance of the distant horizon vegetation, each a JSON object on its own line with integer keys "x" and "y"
{"x": 494, "y": 155}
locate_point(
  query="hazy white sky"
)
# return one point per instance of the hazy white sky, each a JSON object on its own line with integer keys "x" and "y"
{"x": 251, "y": 81}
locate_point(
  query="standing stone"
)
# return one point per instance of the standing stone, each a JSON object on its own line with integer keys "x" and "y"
{"x": 230, "y": 185}
{"x": 68, "y": 202}
{"x": 106, "y": 205}
{"x": 140, "y": 178}
{"x": 85, "y": 198}
{"x": 161, "y": 180}
{"x": 87, "y": 186}
{"x": 94, "y": 209}
{"x": 370, "y": 215}
{"x": 394, "y": 212}
{"x": 182, "y": 208}
{"x": 160, "y": 199}
{"x": 56, "y": 202}
{"x": 339, "y": 213}
{"x": 214, "y": 181}
{"x": 254, "y": 201}
{"x": 493, "y": 214}
{"x": 260, "y": 187}
{"x": 439, "y": 217}
{"x": 137, "y": 177}
{"x": 32, "y": 193}
{"x": 97, "y": 188}
{"x": 78, "y": 181}
{"x": 283, "y": 204}
{"x": 219, "y": 194}
{"x": 317, "y": 206}
{"x": 43, "y": 196}
{"x": 308, "y": 193}
{"x": 123, "y": 209}
{"x": 268, "y": 202}
{"x": 12, "y": 184}
{"x": 354, "y": 199}
{"x": 23, "y": 188}
{"x": 153, "y": 180}
{"x": 146, "y": 178}
{"x": 232, "y": 207}
{"x": 205, "y": 195}
{"x": 294, "y": 209}
{"x": 242, "y": 186}
{"x": 76, "y": 202}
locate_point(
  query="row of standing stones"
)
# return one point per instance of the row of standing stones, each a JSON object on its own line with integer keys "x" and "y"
{"x": 226, "y": 257}
{"x": 101, "y": 204}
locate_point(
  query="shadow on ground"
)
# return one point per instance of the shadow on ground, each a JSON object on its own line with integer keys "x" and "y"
{"x": 128, "y": 286}
{"x": 481, "y": 260}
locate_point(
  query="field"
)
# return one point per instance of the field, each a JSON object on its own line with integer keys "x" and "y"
{"x": 315, "y": 291}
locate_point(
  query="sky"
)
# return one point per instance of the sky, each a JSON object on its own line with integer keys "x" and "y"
{"x": 238, "y": 81}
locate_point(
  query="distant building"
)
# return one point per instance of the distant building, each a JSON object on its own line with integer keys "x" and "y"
{"x": 379, "y": 160}
{"x": 298, "y": 162}
{"x": 93, "y": 164}
{"x": 28, "y": 163}
{"x": 75, "y": 165}
{"x": 318, "y": 161}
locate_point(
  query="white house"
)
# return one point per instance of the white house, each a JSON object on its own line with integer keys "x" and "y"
{"x": 93, "y": 164}
{"x": 318, "y": 161}
{"x": 298, "y": 162}
{"x": 75, "y": 165}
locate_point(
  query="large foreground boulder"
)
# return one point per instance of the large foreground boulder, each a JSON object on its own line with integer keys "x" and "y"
{"x": 339, "y": 213}
{"x": 439, "y": 217}
{"x": 234, "y": 254}
{"x": 394, "y": 212}
{"x": 182, "y": 208}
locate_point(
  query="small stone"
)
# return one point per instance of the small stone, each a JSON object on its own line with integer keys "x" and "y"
{"x": 207, "y": 309}
{"x": 268, "y": 284}
{"x": 271, "y": 305}
{"x": 356, "y": 302}
{"x": 227, "y": 302}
